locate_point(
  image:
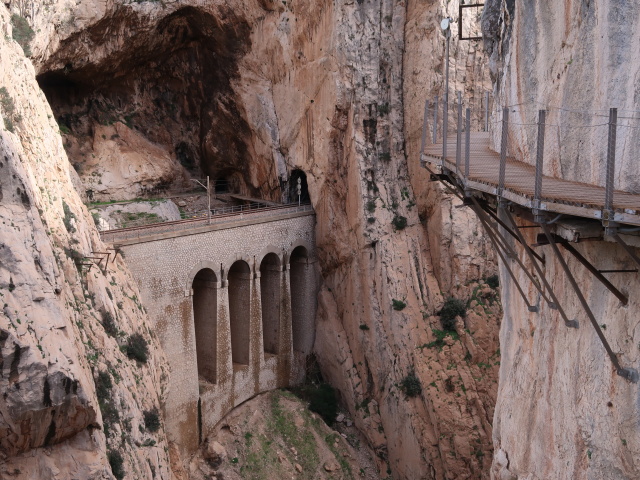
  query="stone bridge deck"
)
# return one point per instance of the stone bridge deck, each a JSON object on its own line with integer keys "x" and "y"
{"x": 233, "y": 304}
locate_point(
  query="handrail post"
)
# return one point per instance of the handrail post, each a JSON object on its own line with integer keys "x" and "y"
{"x": 468, "y": 144}
{"x": 503, "y": 151}
{"x": 537, "y": 195}
{"x": 445, "y": 127}
{"x": 435, "y": 120}
{"x": 608, "y": 212}
{"x": 486, "y": 111}
{"x": 459, "y": 135}
{"x": 424, "y": 129}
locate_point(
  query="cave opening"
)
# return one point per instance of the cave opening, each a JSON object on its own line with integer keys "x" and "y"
{"x": 155, "y": 109}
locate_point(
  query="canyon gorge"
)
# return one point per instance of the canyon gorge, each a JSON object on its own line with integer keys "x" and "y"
{"x": 119, "y": 100}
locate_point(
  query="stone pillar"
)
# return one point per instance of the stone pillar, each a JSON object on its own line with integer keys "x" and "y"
{"x": 255, "y": 331}
{"x": 224, "y": 361}
{"x": 285, "y": 350}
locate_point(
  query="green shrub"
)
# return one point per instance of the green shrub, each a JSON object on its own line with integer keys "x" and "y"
{"x": 103, "y": 387}
{"x": 398, "y": 304}
{"x": 109, "y": 323}
{"x": 137, "y": 348}
{"x": 451, "y": 309}
{"x": 410, "y": 385}
{"x": 364, "y": 326}
{"x": 399, "y": 222}
{"x": 493, "y": 281}
{"x": 324, "y": 402}
{"x": 22, "y": 33}
{"x": 68, "y": 216}
{"x": 152, "y": 420}
{"x": 116, "y": 461}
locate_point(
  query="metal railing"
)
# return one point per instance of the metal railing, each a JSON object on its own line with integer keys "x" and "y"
{"x": 222, "y": 216}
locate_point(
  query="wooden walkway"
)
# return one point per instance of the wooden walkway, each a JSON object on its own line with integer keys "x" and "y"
{"x": 560, "y": 196}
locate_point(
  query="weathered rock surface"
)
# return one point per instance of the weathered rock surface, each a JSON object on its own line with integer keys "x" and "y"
{"x": 562, "y": 412}
{"x": 248, "y": 92}
{"x": 69, "y": 393}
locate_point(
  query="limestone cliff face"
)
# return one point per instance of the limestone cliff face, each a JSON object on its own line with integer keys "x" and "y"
{"x": 248, "y": 92}
{"x": 69, "y": 394}
{"x": 562, "y": 412}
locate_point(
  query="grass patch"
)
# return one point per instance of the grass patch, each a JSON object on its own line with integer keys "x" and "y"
{"x": 440, "y": 336}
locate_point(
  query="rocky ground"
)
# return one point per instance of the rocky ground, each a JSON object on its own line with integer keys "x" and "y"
{"x": 274, "y": 435}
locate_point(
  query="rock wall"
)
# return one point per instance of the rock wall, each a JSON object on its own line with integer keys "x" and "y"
{"x": 249, "y": 91}
{"x": 562, "y": 412}
{"x": 71, "y": 397}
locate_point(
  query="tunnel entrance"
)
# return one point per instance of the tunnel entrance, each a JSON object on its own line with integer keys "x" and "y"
{"x": 300, "y": 271}
{"x": 270, "y": 287}
{"x": 293, "y": 187}
{"x": 240, "y": 311}
{"x": 205, "y": 308}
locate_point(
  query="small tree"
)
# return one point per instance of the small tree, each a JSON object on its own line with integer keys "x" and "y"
{"x": 451, "y": 309}
{"x": 137, "y": 348}
{"x": 410, "y": 385}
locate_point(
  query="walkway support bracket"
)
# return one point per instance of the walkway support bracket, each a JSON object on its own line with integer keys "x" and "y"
{"x": 629, "y": 374}
{"x": 627, "y": 248}
{"x": 498, "y": 247}
{"x": 588, "y": 265}
{"x": 511, "y": 253}
{"x": 556, "y": 304}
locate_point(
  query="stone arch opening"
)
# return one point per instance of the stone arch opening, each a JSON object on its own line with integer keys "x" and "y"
{"x": 301, "y": 302}
{"x": 239, "y": 288}
{"x": 293, "y": 187}
{"x": 205, "y": 319}
{"x": 270, "y": 293}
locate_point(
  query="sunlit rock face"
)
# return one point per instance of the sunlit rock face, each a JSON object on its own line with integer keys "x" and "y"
{"x": 562, "y": 412}
{"x": 147, "y": 94}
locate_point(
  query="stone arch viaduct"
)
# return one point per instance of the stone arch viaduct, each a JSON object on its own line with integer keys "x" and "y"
{"x": 233, "y": 306}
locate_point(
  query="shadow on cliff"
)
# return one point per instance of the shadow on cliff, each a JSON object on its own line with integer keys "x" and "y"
{"x": 168, "y": 80}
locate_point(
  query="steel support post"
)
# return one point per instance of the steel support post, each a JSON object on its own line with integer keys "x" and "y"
{"x": 628, "y": 373}
{"x": 503, "y": 151}
{"x": 537, "y": 195}
{"x": 607, "y": 212}
{"x": 480, "y": 214}
{"x": 435, "y": 120}
{"x": 556, "y": 303}
{"x": 459, "y": 135}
